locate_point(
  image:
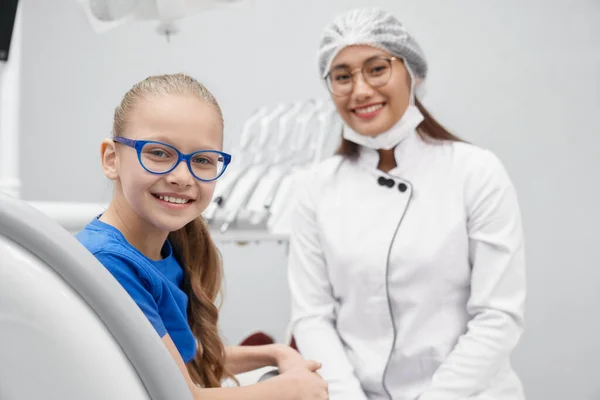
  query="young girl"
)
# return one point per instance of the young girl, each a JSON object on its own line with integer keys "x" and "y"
{"x": 407, "y": 266}
{"x": 164, "y": 158}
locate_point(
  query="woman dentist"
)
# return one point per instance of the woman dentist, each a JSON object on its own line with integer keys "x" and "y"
{"x": 406, "y": 267}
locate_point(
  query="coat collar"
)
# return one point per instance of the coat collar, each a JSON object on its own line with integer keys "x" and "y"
{"x": 407, "y": 153}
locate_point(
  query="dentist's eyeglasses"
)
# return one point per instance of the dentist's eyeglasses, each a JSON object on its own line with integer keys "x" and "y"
{"x": 376, "y": 72}
{"x": 162, "y": 158}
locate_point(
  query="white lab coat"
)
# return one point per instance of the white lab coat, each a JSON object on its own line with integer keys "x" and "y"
{"x": 414, "y": 294}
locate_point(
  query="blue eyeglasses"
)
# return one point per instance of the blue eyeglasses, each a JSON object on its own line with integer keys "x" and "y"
{"x": 161, "y": 158}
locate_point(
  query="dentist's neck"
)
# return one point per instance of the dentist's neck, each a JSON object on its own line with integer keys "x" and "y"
{"x": 387, "y": 160}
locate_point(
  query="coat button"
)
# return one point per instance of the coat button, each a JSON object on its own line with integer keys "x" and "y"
{"x": 385, "y": 182}
{"x": 402, "y": 187}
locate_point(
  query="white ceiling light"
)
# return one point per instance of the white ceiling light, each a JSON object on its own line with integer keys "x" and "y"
{"x": 108, "y": 14}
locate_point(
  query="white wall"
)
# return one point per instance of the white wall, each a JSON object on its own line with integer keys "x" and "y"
{"x": 519, "y": 77}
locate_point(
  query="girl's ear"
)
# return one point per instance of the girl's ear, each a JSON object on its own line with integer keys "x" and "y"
{"x": 108, "y": 155}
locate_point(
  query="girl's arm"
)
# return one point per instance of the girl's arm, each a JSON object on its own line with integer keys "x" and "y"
{"x": 241, "y": 359}
{"x": 300, "y": 383}
{"x": 293, "y": 383}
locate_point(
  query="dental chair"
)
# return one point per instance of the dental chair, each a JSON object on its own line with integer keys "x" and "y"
{"x": 68, "y": 330}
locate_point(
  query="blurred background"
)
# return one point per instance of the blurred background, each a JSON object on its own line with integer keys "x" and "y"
{"x": 521, "y": 78}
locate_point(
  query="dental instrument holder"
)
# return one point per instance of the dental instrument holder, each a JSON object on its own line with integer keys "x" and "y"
{"x": 274, "y": 142}
{"x": 299, "y": 154}
{"x": 265, "y": 121}
{"x": 256, "y": 219}
{"x": 287, "y": 125}
{"x": 230, "y": 180}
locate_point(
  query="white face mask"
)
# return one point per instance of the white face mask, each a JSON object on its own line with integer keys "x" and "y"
{"x": 389, "y": 139}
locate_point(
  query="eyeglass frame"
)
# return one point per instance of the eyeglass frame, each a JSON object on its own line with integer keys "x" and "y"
{"x": 361, "y": 70}
{"x": 138, "y": 145}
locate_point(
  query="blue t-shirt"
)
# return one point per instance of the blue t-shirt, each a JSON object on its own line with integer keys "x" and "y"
{"x": 156, "y": 286}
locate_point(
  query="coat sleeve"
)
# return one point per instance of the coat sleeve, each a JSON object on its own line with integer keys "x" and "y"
{"x": 496, "y": 302}
{"x": 313, "y": 303}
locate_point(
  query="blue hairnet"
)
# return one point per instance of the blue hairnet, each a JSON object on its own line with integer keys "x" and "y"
{"x": 373, "y": 27}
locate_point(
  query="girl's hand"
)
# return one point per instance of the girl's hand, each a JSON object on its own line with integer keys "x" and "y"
{"x": 287, "y": 359}
{"x": 303, "y": 383}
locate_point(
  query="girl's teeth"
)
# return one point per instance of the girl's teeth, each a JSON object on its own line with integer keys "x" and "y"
{"x": 173, "y": 199}
{"x": 369, "y": 109}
